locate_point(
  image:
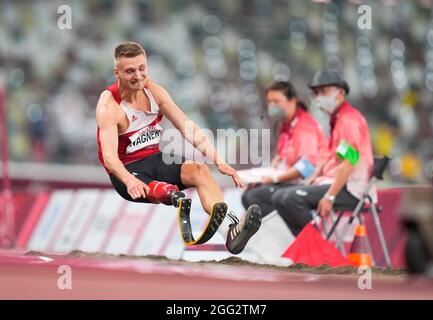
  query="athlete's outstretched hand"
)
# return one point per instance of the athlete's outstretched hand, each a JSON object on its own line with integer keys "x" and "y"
{"x": 136, "y": 188}
{"x": 224, "y": 168}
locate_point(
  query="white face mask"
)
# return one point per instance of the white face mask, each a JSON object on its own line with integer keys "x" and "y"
{"x": 275, "y": 112}
{"x": 326, "y": 103}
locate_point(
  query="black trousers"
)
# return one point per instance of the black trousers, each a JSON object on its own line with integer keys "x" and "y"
{"x": 262, "y": 196}
{"x": 294, "y": 204}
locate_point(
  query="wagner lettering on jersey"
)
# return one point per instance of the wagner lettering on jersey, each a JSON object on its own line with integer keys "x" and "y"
{"x": 146, "y": 137}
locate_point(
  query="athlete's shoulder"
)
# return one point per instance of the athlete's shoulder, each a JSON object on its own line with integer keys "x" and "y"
{"x": 152, "y": 85}
{"x": 114, "y": 90}
{"x": 105, "y": 95}
{"x": 158, "y": 92}
{"x": 107, "y": 107}
{"x": 106, "y": 99}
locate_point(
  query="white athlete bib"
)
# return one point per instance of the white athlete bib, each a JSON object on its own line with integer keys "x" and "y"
{"x": 144, "y": 138}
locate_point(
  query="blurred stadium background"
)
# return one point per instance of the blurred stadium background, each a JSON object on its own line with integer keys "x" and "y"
{"x": 215, "y": 58}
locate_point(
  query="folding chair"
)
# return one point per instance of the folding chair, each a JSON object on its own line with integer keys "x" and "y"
{"x": 340, "y": 245}
{"x": 365, "y": 205}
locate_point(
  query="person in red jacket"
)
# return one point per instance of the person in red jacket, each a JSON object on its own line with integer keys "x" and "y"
{"x": 128, "y": 115}
{"x": 302, "y": 146}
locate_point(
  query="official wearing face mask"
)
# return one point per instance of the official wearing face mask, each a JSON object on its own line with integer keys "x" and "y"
{"x": 302, "y": 145}
{"x": 345, "y": 174}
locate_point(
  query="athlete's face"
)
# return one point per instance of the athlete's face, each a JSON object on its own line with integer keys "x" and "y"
{"x": 131, "y": 72}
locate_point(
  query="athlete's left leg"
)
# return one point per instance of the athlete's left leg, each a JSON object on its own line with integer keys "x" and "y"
{"x": 198, "y": 176}
{"x": 236, "y": 232}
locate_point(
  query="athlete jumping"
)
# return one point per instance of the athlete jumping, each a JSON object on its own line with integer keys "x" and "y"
{"x": 128, "y": 115}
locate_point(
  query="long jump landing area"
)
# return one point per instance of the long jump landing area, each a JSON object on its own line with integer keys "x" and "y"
{"x": 36, "y": 276}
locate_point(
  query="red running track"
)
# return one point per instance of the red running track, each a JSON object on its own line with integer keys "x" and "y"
{"x": 36, "y": 277}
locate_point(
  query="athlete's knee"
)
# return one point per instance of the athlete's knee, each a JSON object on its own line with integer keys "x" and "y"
{"x": 194, "y": 172}
{"x": 202, "y": 169}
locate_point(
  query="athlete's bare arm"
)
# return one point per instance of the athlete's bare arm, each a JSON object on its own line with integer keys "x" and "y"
{"x": 108, "y": 117}
{"x": 190, "y": 131}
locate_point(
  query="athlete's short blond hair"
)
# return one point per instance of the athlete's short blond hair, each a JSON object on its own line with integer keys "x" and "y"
{"x": 128, "y": 49}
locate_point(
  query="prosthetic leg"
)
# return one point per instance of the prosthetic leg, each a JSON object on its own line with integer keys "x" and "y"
{"x": 168, "y": 194}
{"x": 219, "y": 211}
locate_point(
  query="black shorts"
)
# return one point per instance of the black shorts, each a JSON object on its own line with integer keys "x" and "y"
{"x": 149, "y": 169}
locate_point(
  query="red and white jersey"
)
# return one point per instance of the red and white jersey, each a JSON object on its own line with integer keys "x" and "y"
{"x": 143, "y": 135}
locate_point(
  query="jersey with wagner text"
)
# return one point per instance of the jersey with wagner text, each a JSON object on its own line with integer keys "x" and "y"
{"x": 143, "y": 135}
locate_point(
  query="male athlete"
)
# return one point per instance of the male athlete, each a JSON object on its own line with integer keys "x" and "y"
{"x": 128, "y": 115}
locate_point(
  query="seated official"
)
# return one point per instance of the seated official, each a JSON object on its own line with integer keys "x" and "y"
{"x": 302, "y": 145}
{"x": 345, "y": 174}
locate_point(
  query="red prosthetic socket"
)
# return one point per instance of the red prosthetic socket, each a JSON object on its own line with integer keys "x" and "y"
{"x": 160, "y": 192}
